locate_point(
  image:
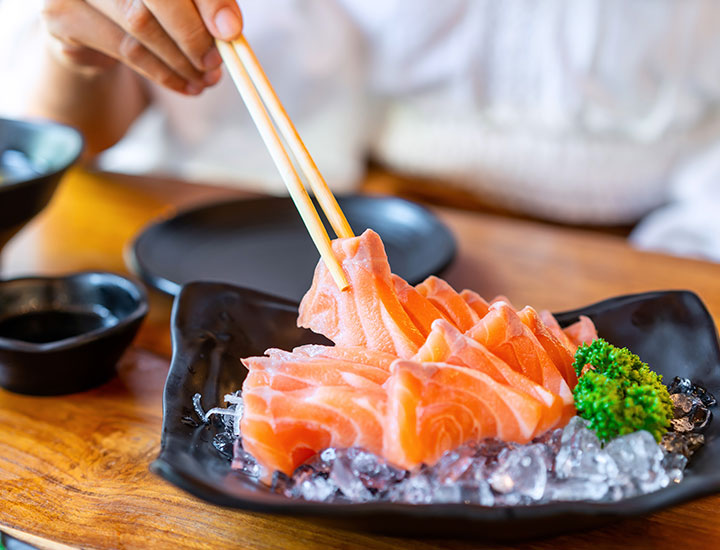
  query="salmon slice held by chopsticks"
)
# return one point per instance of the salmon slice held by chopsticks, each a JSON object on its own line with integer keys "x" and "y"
{"x": 367, "y": 314}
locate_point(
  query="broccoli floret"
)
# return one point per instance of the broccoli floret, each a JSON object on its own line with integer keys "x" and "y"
{"x": 618, "y": 393}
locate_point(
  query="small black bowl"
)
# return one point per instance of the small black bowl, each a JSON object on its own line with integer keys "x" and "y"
{"x": 33, "y": 158}
{"x": 62, "y": 335}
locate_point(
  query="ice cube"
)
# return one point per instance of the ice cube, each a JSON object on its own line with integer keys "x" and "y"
{"x": 372, "y": 470}
{"x": 639, "y": 457}
{"x": 551, "y": 439}
{"x": 693, "y": 443}
{"x": 700, "y": 417}
{"x": 347, "y": 480}
{"x": 224, "y": 442}
{"x": 476, "y": 491}
{"x": 680, "y": 385}
{"x": 447, "y": 493}
{"x": 244, "y": 462}
{"x": 635, "y": 453}
{"x": 686, "y": 386}
{"x": 574, "y": 490}
{"x": 577, "y": 434}
{"x": 310, "y": 484}
{"x": 581, "y": 455}
{"x": 491, "y": 448}
{"x": 416, "y": 489}
{"x": 453, "y": 464}
{"x": 682, "y": 443}
{"x": 681, "y": 425}
{"x": 690, "y": 413}
{"x": 322, "y": 462}
{"x": 682, "y": 404}
{"x": 328, "y": 455}
{"x": 674, "y": 465}
{"x": 281, "y": 484}
{"x": 317, "y": 488}
{"x": 522, "y": 470}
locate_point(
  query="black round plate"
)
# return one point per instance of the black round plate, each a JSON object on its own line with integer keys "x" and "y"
{"x": 262, "y": 244}
{"x": 214, "y": 325}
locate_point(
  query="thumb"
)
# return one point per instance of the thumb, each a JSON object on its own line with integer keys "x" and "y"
{"x": 222, "y": 18}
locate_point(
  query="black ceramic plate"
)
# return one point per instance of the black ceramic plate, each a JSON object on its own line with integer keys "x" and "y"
{"x": 215, "y": 324}
{"x": 256, "y": 243}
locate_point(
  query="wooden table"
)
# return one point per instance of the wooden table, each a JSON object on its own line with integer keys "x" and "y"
{"x": 87, "y": 484}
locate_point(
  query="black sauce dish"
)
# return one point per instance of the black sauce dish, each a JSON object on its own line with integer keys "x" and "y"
{"x": 214, "y": 325}
{"x": 33, "y": 157}
{"x": 62, "y": 335}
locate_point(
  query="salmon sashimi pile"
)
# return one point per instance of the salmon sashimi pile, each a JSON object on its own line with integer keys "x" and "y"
{"x": 415, "y": 371}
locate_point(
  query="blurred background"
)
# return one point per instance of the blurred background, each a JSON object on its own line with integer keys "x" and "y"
{"x": 586, "y": 112}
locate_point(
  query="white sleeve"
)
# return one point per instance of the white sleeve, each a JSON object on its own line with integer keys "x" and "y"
{"x": 689, "y": 225}
{"x": 21, "y": 53}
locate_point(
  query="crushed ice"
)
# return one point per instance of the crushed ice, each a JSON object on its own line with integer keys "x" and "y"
{"x": 568, "y": 464}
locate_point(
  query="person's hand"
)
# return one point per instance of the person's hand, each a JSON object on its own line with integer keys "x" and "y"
{"x": 167, "y": 41}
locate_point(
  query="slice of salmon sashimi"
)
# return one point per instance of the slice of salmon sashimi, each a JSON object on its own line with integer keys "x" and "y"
{"x": 369, "y": 313}
{"x": 476, "y": 302}
{"x": 561, "y": 354}
{"x": 354, "y": 354}
{"x": 421, "y": 310}
{"x": 283, "y": 370}
{"x": 435, "y": 407}
{"x": 583, "y": 331}
{"x": 503, "y": 333}
{"x": 446, "y": 344}
{"x": 449, "y": 302}
{"x": 284, "y": 428}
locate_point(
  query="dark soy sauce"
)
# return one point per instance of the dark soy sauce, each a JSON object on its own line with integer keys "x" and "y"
{"x": 42, "y": 327}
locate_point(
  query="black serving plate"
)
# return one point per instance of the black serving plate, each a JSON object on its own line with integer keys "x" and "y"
{"x": 33, "y": 158}
{"x": 214, "y": 325}
{"x": 62, "y": 335}
{"x": 256, "y": 243}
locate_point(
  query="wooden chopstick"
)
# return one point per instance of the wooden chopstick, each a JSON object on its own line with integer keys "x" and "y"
{"x": 289, "y": 133}
{"x": 294, "y": 184}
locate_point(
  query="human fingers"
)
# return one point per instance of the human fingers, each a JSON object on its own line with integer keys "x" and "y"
{"x": 88, "y": 60}
{"x": 76, "y": 23}
{"x": 140, "y": 24}
{"x": 182, "y": 21}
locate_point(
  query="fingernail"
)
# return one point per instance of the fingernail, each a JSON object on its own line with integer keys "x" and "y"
{"x": 193, "y": 88}
{"x": 212, "y": 59}
{"x": 212, "y": 77}
{"x": 228, "y": 24}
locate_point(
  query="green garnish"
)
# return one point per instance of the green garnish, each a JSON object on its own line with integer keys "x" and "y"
{"x": 618, "y": 393}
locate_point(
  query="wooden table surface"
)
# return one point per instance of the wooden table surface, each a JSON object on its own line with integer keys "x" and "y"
{"x": 74, "y": 470}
